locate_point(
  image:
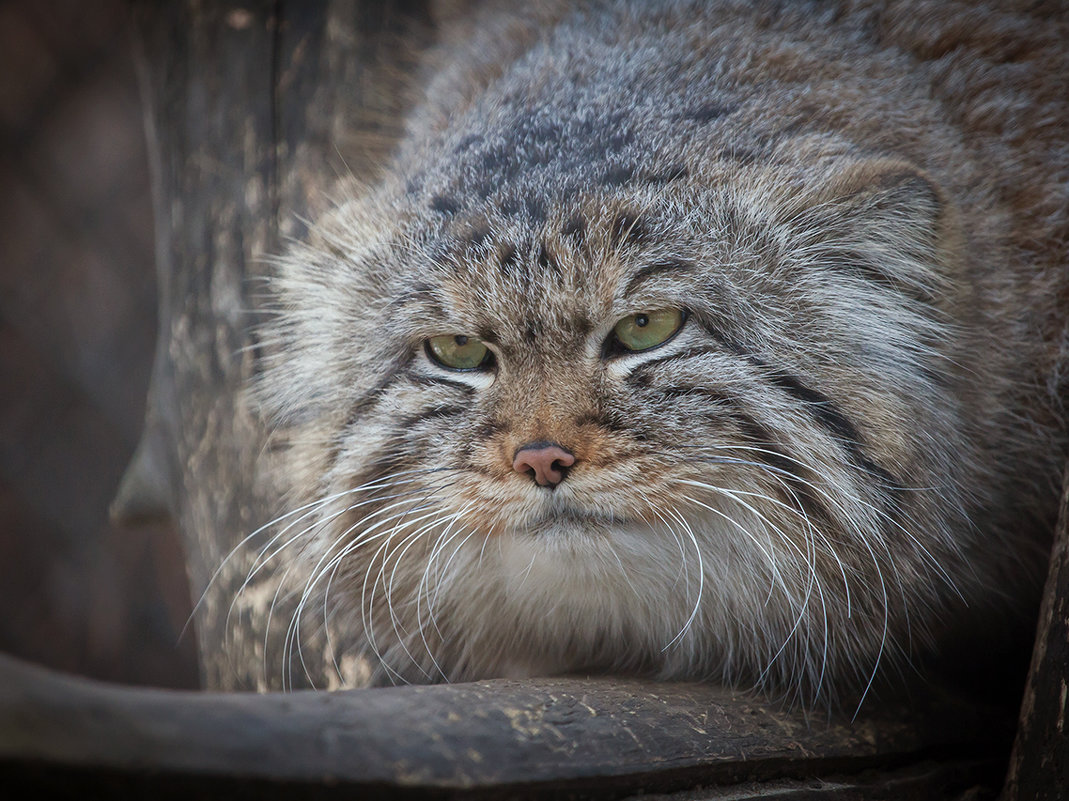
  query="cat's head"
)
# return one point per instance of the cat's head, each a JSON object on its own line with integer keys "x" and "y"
{"x": 698, "y": 426}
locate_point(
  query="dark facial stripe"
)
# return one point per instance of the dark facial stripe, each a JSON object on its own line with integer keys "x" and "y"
{"x": 729, "y": 343}
{"x": 640, "y": 376}
{"x": 607, "y": 419}
{"x": 797, "y": 493}
{"x": 489, "y": 428}
{"x": 839, "y": 425}
{"x": 861, "y": 266}
{"x": 387, "y": 460}
{"x": 427, "y": 380}
{"x": 431, "y": 413}
{"x": 717, "y": 399}
{"x": 823, "y": 409}
{"x": 765, "y": 449}
{"x": 791, "y": 474}
{"x": 370, "y": 398}
{"x": 820, "y": 405}
{"x": 366, "y": 402}
{"x": 650, "y": 270}
{"x": 891, "y": 489}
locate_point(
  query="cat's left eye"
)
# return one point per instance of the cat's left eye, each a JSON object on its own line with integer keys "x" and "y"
{"x": 645, "y": 330}
{"x": 458, "y": 352}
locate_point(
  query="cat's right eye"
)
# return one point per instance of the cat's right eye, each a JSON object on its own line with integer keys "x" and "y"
{"x": 459, "y": 352}
{"x": 646, "y": 330}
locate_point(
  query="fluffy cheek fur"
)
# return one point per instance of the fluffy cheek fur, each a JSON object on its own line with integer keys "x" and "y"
{"x": 727, "y": 581}
{"x": 684, "y": 544}
{"x": 746, "y": 504}
{"x": 847, "y": 442}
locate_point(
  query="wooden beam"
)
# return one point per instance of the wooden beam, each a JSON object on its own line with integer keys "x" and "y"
{"x": 250, "y": 111}
{"x": 596, "y": 738}
{"x": 1039, "y": 766}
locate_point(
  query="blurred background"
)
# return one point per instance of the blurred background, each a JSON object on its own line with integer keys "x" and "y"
{"x": 77, "y": 334}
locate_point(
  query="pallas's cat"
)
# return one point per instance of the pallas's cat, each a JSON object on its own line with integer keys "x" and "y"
{"x": 698, "y": 340}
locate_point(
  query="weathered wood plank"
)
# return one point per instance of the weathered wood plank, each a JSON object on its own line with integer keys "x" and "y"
{"x": 208, "y": 84}
{"x": 1039, "y": 766}
{"x": 250, "y": 111}
{"x": 590, "y": 737}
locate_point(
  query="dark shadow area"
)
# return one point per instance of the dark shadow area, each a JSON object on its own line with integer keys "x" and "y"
{"x": 77, "y": 334}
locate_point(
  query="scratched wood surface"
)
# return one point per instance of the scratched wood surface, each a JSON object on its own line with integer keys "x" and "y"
{"x": 251, "y": 109}
{"x": 551, "y": 738}
{"x": 1039, "y": 766}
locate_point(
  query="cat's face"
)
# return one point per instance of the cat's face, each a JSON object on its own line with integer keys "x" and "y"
{"x": 682, "y": 428}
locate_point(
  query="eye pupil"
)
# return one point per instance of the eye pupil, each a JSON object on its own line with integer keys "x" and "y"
{"x": 458, "y": 352}
{"x": 645, "y": 330}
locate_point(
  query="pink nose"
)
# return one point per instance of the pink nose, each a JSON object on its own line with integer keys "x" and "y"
{"x": 548, "y": 461}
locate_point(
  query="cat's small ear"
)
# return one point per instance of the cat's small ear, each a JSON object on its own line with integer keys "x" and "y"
{"x": 888, "y": 219}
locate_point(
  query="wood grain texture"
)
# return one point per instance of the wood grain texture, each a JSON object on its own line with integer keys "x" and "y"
{"x": 1039, "y": 767}
{"x": 208, "y": 77}
{"x": 249, "y": 108}
{"x": 591, "y": 738}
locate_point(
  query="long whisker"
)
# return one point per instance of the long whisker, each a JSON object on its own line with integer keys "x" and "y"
{"x": 771, "y": 469}
{"x": 701, "y": 578}
{"x": 864, "y": 540}
{"x": 295, "y": 517}
{"x": 409, "y": 541}
{"x": 443, "y": 539}
{"x": 432, "y": 601}
{"x": 329, "y": 559}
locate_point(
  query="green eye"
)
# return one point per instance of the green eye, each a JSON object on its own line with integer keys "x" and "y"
{"x": 458, "y": 352}
{"x": 647, "y": 330}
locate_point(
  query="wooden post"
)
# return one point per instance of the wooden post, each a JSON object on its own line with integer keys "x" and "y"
{"x": 249, "y": 112}
{"x": 1039, "y": 767}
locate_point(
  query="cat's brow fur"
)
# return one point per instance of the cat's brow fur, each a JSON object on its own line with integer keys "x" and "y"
{"x": 851, "y": 449}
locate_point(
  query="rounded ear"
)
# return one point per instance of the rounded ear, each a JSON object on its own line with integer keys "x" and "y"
{"x": 876, "y": 185}
{"x": 887, "y": 220}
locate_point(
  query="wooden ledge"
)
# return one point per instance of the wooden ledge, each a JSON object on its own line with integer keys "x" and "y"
{"x": 580, "y": 737}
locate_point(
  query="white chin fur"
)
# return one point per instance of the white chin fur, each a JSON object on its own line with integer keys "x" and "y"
{"x": 587, "y": 583}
